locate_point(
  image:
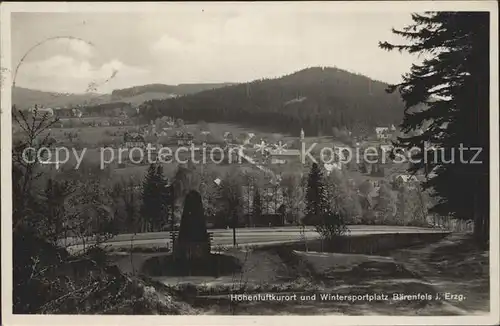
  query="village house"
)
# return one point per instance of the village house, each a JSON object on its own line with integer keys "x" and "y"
{"x": 407, "y": 179}
{"x": 63, "y": 112}
{"x": 228, "y": 137}
{"x": 134, "y": 140}
{"x": 77, "y": 113}
{"x": 382, "y": 133}
{"x": 284, "y": 156}
{"x": 329, "y": 167}
{"x": 42, "y": 111}
{"x": 184, "y": 138}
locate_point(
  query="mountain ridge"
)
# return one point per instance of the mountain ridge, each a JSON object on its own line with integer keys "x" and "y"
{"x": 316, "y": 99}
{"x": 25, "y": 98}
{"x": 179, "y": 89}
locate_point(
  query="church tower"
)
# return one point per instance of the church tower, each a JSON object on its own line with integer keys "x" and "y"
{"x": 302, "y": 136}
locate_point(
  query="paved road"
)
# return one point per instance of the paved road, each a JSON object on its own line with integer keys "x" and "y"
{"x": 250, "y": 236}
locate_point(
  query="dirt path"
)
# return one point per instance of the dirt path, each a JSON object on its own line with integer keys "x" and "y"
{"x": 449, "y": 277}
{"x": 456, "y": 267}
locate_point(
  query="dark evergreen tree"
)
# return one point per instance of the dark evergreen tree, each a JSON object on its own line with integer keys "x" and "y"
{"x": 155, "y": 198}
{"x": 449, "y": 93}
{"x": 316, "y": 203}
{"x": 150, "y": 205}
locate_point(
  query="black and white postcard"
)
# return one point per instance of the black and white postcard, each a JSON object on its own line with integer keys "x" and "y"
{"x": 230, "y": 163}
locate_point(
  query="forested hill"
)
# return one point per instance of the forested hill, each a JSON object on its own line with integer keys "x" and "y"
{"x": 25, "y": 98}
{"x": 181, "y": 89}
{"x": 316, "y": 99}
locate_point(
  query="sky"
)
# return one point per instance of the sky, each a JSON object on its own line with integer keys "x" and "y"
{"x": 199, "y": 45}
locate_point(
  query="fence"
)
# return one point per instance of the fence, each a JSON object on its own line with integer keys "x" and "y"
{"x": 175, "y": 234}
{"x": 451, "y": 224}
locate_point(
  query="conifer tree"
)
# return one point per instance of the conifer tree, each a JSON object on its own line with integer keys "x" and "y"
{"x": 155, "y": 198}
{"x": 316, "y": 203}
{"x": 449, "y": 93}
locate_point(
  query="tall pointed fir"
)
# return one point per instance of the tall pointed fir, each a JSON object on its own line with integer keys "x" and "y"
{"x": 164, "y": 198}
{"x": 154, "y": 199}
{"x": 449, "y": 94}
{"x": 316, "y": 203}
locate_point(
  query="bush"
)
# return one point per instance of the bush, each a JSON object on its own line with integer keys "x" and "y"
{"x": 332, "y": 225}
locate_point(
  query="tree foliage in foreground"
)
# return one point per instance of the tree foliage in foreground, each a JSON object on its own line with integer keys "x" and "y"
{"x": 48, "y": 278}
{"x": 331, "y": 225}
{"x": 453, "y": 84}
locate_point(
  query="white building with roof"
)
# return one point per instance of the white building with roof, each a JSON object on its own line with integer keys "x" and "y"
{"x": 42, "y": 111}
{"x": 382, "y": 132}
